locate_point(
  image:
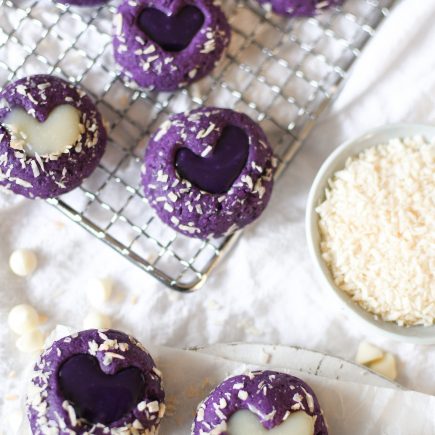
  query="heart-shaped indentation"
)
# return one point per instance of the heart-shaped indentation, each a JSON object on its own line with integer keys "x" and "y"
{"x": 96, "y": 396}
{"x": 245, "y": 422}
{"x": 172, "y": 33}
{"x": 59, "y": 131}
{"x": 216, "y": 172}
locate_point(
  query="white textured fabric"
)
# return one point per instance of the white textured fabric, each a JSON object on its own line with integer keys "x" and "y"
{"x": 266, "y": 290}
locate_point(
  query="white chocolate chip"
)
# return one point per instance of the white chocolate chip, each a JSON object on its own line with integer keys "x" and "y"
{"x": 96, "y": 320}
{"x": 30, "y": 341}
{"x": 23, "y": 318}
{"x": 23, "y": 262}
{"x": 386, "y": 366}
{"x": 367, "y": 353}
{"x": 99, "y": 291}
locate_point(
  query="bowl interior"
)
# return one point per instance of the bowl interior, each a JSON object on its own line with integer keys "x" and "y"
{"x": 335, "y": 162}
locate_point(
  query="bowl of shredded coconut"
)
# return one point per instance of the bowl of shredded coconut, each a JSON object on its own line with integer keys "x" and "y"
{"x": 370, "y": 226}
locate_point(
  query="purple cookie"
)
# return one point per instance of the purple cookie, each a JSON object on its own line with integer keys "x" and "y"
{"x": 52, "y": 174}
{"x": 299, "y": 8}
{"x": 272, "y": 396}
{"x": 96, "y": 381}
{"x": 209, "y": 172}
{"x": 167, "y": 44}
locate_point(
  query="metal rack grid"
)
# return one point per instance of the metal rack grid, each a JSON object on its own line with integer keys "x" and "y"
{"x": 282, "y": 72}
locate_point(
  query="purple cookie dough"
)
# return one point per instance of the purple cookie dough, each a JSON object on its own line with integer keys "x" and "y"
{"x": 179, "y": 202}
{"x": 48, "y": 176}
{"x": 150, "y": 36}
{"x": 120, "y": 359}
{"x": 272, "y": 396}
{"x": 299, "y": 8}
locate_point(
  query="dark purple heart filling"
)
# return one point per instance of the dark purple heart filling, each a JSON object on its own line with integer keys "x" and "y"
{"x": 172, "y": 33}
{"x": 216, "y": 172}
{"x": 96, "y": 396}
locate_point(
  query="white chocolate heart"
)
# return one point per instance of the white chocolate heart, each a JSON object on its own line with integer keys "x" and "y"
{"x": 246, "y": 422}
{"x": 59, "y": 131}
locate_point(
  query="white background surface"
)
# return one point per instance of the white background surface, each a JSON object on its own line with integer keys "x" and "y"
{"x": 266, "y": 290}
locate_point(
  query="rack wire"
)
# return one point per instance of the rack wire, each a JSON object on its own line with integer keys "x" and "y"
{"x": 282, "y": 72}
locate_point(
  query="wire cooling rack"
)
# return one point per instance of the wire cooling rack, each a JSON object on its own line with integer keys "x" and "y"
{"x": 282, "y": 72}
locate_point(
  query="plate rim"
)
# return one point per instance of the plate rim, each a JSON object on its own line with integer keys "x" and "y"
{"x": 381, "y": 380}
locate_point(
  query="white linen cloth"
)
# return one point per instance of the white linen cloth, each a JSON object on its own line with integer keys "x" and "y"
{"x": 266, "y": 291}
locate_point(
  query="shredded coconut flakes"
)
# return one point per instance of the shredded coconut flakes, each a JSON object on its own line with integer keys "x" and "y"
{"x": 377, "y": 227}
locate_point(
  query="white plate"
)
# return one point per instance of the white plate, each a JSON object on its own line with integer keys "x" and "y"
{"x": 335, "y": 162}
{"x": 298, "y": 359}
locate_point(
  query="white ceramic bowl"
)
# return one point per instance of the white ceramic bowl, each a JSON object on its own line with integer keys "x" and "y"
{"x": 335, "y": 162}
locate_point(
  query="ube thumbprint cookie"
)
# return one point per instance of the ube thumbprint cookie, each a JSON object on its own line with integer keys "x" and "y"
{"x": 51, "y": 136}
{"x": 258, "y": 402}
{"x": 168, "y": 44}
{"x": 209, "y": 172}
{"x": 96, "y": 382}
{"x": 299, "y": 8}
